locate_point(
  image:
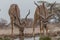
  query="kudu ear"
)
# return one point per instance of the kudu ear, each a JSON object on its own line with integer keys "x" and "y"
{"x": 36, "y": 4}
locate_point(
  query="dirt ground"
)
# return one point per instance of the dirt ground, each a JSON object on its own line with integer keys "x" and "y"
{"x": 51, "y": 27}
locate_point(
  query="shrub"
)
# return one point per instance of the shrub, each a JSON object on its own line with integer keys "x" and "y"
{"x": 5, "y": 38}
{"x": 45, "y": 38}
{"x": 1, "y": 39}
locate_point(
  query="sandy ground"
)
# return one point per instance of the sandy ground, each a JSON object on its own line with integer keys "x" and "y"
{"x": 16, "y": 31}
{"x": 51, "y": 27}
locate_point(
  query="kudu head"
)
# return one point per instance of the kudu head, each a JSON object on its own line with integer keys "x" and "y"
{"x": 21, "y": 23}
{"x": 42, "y": 17}
{"x": 38, "y": 6}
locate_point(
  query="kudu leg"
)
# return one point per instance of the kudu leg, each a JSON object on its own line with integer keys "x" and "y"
{"x": 41, "y": 27}
{"x": 12, "y": 26}
{"x": 21, "y": 31}
{"x": 35, "y": 21}
{"x": 12, "y": 29}
{"x": 46, "y": 30}
{"x": 34, "y": 31}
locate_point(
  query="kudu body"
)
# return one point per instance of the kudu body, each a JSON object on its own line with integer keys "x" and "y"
{"x": 14, "y": 10}
{"x": 21, "y": 26}
{"x": 14, "y": 14}
{"x": 42, "y": 14}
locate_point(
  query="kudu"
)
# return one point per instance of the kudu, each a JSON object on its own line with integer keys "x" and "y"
{"x": 14, "y": 10}
{"x": 21, "y": 26}
{"x": 41, "y": 14}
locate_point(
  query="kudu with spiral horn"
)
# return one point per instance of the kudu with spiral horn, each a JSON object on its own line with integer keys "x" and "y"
{"x": 13, "y": 10}
{"x": 41, "y": 14}
{"x": 21, "y": 26}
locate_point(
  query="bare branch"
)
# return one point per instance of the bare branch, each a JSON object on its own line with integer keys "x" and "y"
{"x": 36, "y": 4}
{"x": 27, "y": 15}
{"x": 51, "y": 8}
{"x": 41, "y": 1}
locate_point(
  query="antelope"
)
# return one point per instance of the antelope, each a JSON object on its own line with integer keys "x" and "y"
{"x": 41, "y": 14}
{"x": 13, "y": 10}
{"x": 22, "y": 25}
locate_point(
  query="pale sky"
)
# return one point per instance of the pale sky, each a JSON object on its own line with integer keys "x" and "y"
{"x": 24, "y": 6}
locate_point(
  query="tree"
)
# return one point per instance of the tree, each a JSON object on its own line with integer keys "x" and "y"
{"x": 3, "y": 22}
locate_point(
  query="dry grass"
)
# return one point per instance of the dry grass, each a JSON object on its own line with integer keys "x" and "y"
{"x": 7, "y": 31}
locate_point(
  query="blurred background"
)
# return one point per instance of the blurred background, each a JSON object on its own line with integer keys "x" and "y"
{"x": 24, "y": 6}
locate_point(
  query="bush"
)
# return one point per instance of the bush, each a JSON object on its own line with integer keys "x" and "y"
{"x": 45, "y": 38}
{"x": 5, "y": 38}
{"x": 1, "y": 39}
